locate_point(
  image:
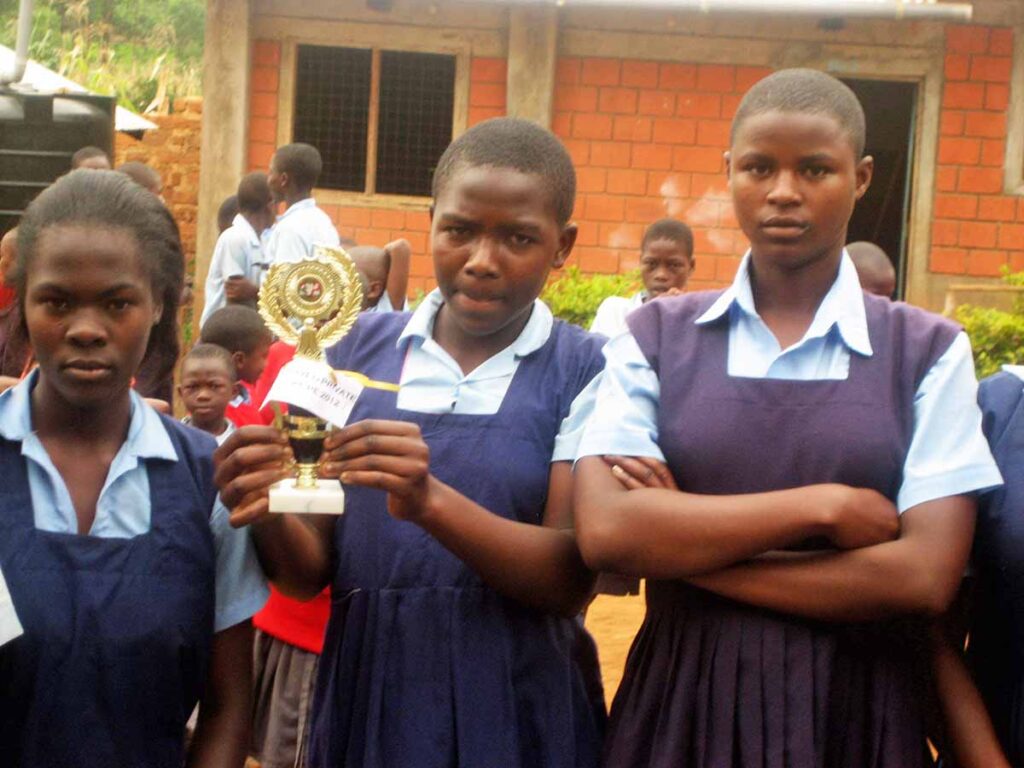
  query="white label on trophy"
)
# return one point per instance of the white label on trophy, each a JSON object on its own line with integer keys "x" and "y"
{"x": 10, "y": 626}
{"x": 318, "y": 389}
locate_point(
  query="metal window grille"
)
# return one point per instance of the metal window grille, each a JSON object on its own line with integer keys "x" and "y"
{"x": 381, "y": 119}
{"x": 417, "y": 94}
{"x": 332, "y": 97}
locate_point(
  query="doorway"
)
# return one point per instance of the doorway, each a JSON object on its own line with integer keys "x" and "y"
{"x": 883, "y": 215}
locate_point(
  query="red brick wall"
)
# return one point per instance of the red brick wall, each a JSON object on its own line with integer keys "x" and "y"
{"x": 173, "y": 150}
{"x": 647, "y": 139}
{"x": 976, "y": 230}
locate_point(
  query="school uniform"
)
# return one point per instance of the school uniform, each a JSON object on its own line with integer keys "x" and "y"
{"x": 610, "y": 319}
{"x": 118, "y": 622}
{"x": 385, "y": 305}
{"x": 238, "y": 253}
{"x": 996, "y": 650}
{"x": 229, "y": 429}
{"x": 424, "y": 664}
{"x": 297, "y": 230}
{"x": 876, "y": 395}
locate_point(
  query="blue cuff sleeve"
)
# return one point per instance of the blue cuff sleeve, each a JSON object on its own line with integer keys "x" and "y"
{"x": 948, "y": 453}
{"x": 624, "y": 418}
{"x": 241, "y": 586}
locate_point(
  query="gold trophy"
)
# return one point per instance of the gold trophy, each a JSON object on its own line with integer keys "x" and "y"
{"x": 310, "y": 304}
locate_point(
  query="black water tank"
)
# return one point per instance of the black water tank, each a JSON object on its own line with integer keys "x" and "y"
{"x": 39, "y": 132}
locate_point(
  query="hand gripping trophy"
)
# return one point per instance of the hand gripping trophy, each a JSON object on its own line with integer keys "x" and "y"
{"x": 311, "y": 304}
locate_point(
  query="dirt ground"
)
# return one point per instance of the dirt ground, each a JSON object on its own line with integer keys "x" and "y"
{"x": 613, "y": 621}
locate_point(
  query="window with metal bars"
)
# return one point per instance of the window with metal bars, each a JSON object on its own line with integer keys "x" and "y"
{"x": 381, "y": 119}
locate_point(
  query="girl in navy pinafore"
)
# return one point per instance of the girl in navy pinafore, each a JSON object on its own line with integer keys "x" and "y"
{"x": 424, "y": 664}
{"x": 979, "y": 730}
{"x": 794, "y": 412}
{"x": 132, "y": 591}
{"x": 456, "y": 583}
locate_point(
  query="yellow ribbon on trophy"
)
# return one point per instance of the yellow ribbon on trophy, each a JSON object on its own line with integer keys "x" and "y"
{"x": 366, "y": 381}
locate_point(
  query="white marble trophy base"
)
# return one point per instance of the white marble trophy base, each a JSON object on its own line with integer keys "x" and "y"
{"x": 328, "y": 498}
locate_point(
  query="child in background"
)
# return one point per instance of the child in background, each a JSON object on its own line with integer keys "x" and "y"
{"x": 8, "y": 256}
{"x": 294, "y": 170}
{"x": 133, "y": 590}
{"x": 387, "y": 275}
{"x": 666, "y": 263}
{"x": 238, "y": 263}
{"x": 227, "y": 212}
{"x": 242, "y": 332}
{"x": 456, "y": 577}
{"x": 209, "y": 382}
{"x": 874, "y": 268}
{"x": 90, "y": 157}
{"x": 794, "y": 411}
{"x": 145, "y": 176}
{"x": 15, "y": 353}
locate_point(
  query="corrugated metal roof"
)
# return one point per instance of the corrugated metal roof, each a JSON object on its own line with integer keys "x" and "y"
{"x": 46, "y": 80}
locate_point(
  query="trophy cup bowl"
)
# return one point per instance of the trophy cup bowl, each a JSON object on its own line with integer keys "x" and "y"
{"x": 306, "y": 433}
{"x": 311, "y": 304}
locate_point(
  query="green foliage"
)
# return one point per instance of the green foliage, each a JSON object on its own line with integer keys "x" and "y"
{"x": 142, "y": 51}
{"x": 997, "y": 337}
{"x": 575, "y": 297}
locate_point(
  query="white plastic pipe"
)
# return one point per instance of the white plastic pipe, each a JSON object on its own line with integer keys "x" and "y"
{"x": 21, "y": 45}
{"x": 887, "y": 9}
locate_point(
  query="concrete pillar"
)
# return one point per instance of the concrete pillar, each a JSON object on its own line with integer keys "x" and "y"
{"x": 532, "y": 55}
{"x": 225, "y": 122}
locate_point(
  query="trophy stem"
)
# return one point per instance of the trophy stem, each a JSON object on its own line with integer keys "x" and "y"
{"x": 306, "y": 476}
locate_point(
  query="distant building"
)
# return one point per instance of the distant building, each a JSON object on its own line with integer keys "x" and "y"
{"x": 643, "y": 99}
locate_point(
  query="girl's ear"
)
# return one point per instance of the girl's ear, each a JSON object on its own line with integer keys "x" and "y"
{"x": 158, "y": 313}
{"x": 865, "y": 170}
{"x": 566, "y": 241}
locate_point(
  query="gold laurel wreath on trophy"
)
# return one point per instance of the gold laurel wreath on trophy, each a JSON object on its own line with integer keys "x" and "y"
{"x": 322, "y": 294}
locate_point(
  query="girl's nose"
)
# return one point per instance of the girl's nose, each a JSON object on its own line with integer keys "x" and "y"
{"x": 784, "y": 190}
{"x": 86, "y": 329}
{"x": 483, "y": 258}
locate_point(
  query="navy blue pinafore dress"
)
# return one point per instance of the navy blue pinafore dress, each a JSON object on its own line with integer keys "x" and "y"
{"x": 996, "y": 649}
{"x": 714, "y": 683}
{"x": 117, "y": 631}
{"x": 423, "y": 664}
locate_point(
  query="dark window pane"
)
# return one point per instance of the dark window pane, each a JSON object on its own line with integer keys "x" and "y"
{"x": 332, "y": 101}
{"x": 417, "y": 92}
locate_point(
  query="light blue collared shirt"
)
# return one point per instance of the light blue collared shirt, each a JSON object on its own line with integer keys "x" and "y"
{"x": 238, "y": 253}
{"x": 948, "y": 454}
{"x": 432, "y": 382}
{"x": 384, "y": 305}
{"x": 610, "y": 319}
{"x": 297, "y": 230}
{"x": 124, "y": 506}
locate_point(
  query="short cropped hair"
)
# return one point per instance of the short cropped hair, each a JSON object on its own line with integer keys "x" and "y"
{"x": 206, "y": 351}
{"x": 301, "y": 162}
{"x": 810, "y": 92}
{"x": 142, "y": 175}
{"x": 227, "y": 212}
{"x": 669, "y": 229}
{"x": 253, "y": 192}
{"x": 87, "y": 153}
{"x": 235, "y": 327}
{"x": 508, "y": 142}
